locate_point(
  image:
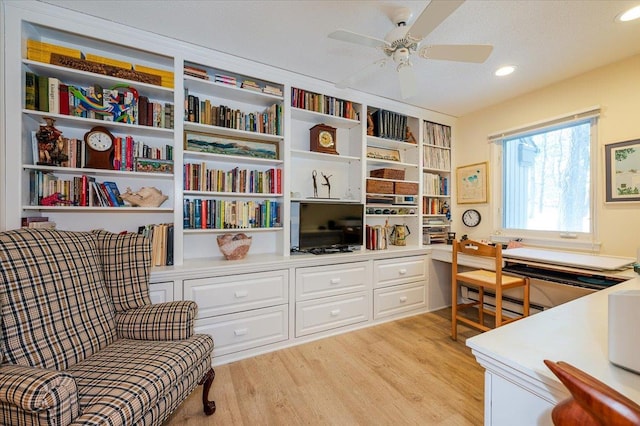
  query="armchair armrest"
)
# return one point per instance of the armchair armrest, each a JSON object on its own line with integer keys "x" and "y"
{"x": 45, "y": 394}
{"x": 163, "y": 321}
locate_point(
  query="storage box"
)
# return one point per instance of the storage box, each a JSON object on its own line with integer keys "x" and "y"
{"x": 379, "y": 186}
{"x": 388, "y": 173}
{"x": 405, "y": 188}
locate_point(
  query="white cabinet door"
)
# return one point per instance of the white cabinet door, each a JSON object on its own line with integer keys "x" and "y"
{"x": 313, "y": 316}
{"x": 235, "y": 293}
{"x": 322, "y": 281}
{"x": 161, "y": 292}
{"x": 399, "y": 270}
{"x": 397, "y": 299}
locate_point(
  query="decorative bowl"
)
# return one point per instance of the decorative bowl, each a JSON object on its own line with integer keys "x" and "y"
{"x": 234, "y": 247}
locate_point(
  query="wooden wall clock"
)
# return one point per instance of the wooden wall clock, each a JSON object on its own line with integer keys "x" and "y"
{"x": 323, "y": 139}
{"x": 100, "y": 148}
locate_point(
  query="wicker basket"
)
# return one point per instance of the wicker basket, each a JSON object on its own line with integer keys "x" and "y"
{"x": 234, "y": 247}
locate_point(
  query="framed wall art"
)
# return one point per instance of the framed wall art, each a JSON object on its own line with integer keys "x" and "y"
{"x": 226, "y": 145}
{"x": 472, "y": 183}
{"x": 379, "y": 153}
{"x": 622, "y": 171}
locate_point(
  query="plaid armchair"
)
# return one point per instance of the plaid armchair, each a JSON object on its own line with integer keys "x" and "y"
{"x": 80, "y": 341}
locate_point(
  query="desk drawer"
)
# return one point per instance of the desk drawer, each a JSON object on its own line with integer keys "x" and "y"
{"x": 235, "y": 293}
{"x": 398, "y": 299}
{"x": 322, "y": 281}
{"x": 246, "y": 330}
{"x": 313, "y": 316}
{"x": 399, "y": 270}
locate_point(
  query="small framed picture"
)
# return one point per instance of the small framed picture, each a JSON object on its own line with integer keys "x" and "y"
{"x": 622, "y": 171}
{"x": 149, "y": 165}
{"x": 227, "y": 145}
{"x": 380, "y": 153}
{"x": 472, "y": 185}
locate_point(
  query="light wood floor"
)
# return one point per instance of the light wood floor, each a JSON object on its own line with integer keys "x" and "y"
{"x": 407, "y": 372}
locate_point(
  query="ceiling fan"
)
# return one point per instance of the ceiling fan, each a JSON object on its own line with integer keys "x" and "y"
{"x": 405, "y": 40}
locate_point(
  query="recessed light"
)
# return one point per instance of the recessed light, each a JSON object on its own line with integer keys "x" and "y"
{"x": 629, "y": 15}
{"x": 506, "y": 70}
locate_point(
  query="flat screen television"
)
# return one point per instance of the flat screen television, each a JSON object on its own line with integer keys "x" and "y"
{"x": 326, "y": 225}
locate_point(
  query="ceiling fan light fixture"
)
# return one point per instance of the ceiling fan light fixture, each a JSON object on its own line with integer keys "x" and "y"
{"x": 505, "y": 70}
{"x": 629, "y": 15}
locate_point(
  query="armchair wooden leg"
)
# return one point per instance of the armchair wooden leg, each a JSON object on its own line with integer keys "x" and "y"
{"x": 206, "y": 382}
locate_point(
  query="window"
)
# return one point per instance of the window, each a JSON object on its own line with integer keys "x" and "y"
{"x": 546, "y": 179}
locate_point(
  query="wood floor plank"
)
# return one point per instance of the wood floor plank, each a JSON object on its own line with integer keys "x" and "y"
{"x": 407, "y": 371}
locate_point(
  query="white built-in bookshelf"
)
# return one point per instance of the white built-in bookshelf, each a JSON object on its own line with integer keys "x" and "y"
{"x": 265, "y": 110}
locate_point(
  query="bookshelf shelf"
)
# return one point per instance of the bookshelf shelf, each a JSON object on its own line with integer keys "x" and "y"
{"x": 227, "y": 131}
{"x": 319, "y": 156}
{"x": 100, "y": 172}
{"x": 209, "y": 194}
{"x": 229, "y": 91}
{"x": 84, "y": 78}
{"x": 436, "y": 173}
{"x": 322, "y": 118}
{"x": 231, "y": 230}
{"x": 100, "y": 209}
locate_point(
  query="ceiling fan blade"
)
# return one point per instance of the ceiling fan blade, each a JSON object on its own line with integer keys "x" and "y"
{"x": 435, "y": 12}
{"x": 477, "y": 53}
{"x": 362, "y": 73}
{"x": 408, "y": 82}
{"x": 351, "y": 37}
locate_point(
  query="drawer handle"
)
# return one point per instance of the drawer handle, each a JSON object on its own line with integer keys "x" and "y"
{"x": 240, "y": 331}
{"x": 335, "y": 281}
{"x": 241, "y": 293}
{"x": 402, "y": 271}
{"x": 403, "y": 299}
{"x": 335, "y": 312}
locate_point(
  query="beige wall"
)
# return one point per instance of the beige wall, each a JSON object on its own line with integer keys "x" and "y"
{"x": 616, "y": 89}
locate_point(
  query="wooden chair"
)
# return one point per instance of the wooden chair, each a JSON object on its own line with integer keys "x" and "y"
{"x": 592, "y": 402}
{"x": 492, "y": 281}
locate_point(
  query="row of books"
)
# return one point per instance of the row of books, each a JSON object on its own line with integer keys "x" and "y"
{"x": 434, "y": 205}
{"x": 49, "y": 94}
{"x": 197, "y": 177}
{"x": 204, "y": 112}
{"x": 437, "y": 134}
{"x": 49, "y": 190}
{"x": 161, "y": 236}
{"x": 323, "y": 104}
{"x": 376, "y": 237}
{"x": 223, "y": 214}
{"x": 437, "y": 158}
{"x": 434, "y": 184}
{"x": 197, "y": 72}
{"x": 389, "y": 125}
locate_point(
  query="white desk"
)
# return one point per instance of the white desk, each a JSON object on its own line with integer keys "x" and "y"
{"x": 519, "y": 389}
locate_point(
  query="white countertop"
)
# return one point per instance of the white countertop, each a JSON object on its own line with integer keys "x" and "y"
{"x": 575, "y": 332}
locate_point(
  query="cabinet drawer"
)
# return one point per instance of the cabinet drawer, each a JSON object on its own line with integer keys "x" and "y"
{"x": 227, "y": 294}
{"x": 161, "y": 292}
{"x": 397, "y": 299}
{"x": 400, "y": 270}
{"x": 324, "y": 281}
{"x": 246, "y": 330}
{"x": 313, "y": 316}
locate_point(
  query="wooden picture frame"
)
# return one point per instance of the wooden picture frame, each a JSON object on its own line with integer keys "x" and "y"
{"x": 386, "y": 154}
{"x": 233, "y": 146}
{"x": 622, "y": 171}
{"x": 472, "y": 184}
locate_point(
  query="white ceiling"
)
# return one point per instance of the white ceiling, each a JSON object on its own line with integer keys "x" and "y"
{"x": 548, "y": 40}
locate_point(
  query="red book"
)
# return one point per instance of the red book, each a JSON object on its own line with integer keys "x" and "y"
{"x": 83, "y": 191}
{"x": 63, "y": 91}
{"x": 204, "y": 213}
{"x": 128, "y": 160}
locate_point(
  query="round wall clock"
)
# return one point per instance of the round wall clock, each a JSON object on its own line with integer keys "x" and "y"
{"x": 471, "y": 217}
{"x": 100, "y": 146}
{"x": 323, "y": 139}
